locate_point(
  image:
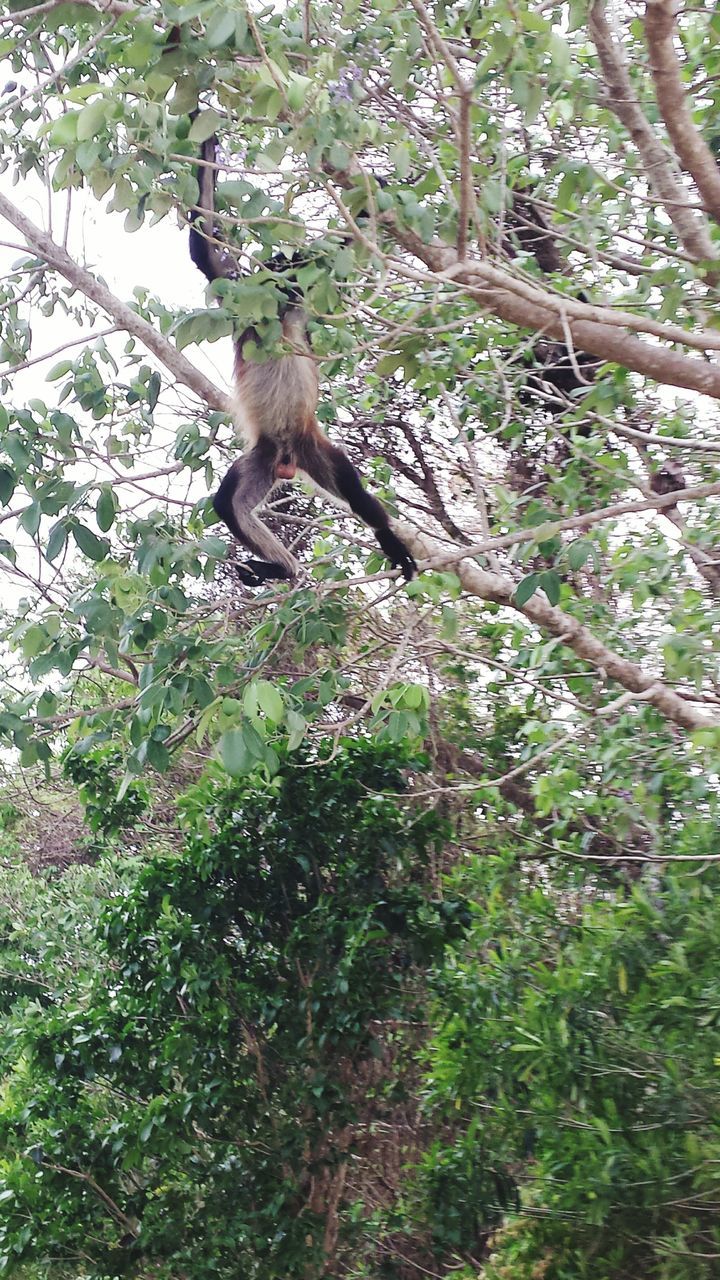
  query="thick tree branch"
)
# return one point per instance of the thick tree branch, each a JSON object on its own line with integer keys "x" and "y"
{"x": 690, "y": 147}
{"x": 659, "y": 169}
{"x": 83, "y": 280}
{"x": 500, "y": 589}
{"x": 597, "y": 330}
{"x": 531, "y": 308}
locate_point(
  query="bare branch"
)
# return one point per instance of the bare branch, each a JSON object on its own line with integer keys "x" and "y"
{"x": 659, "y": 502}
{"x": 532, "y": 308}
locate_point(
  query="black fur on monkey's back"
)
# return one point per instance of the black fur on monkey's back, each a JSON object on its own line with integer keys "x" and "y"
{"x": 276, "y": 400}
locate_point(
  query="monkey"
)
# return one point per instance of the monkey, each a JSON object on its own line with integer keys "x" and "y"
{"x": 275, "y": 407}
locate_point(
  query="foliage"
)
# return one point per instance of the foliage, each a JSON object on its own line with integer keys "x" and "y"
{"x": 579, "y": 1038}
{"x": 121, "y": 620}
{"x": 511, "y": 297}
{"x": 97, "y": 780}
{"x": 193, "y": 1104}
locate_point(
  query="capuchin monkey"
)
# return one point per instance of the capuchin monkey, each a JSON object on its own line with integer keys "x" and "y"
{"x": 275, "y": 404}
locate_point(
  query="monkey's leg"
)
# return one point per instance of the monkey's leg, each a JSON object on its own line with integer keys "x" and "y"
{"x": 246, "y": 485}
{"x": 332, "y": 470}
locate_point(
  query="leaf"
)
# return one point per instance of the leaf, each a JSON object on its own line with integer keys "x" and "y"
{"x": 56, "y": 541}
{"x": 106, "y": 508}
{"x": 297, "y": 727}
{"x": 153, "y": 391}
{"x": 234, "y": 753}
{"x": 525, "y": 589}
{"x": 270, "y": 701}
{"x": 19, "y": 454}
{"x": 297, "y": 91}
{"x": 550, "y": 584}
{"x": 415, "y": 695}
{"x": 578, "y": 553}
{"x": 400, "y": 156}
{"x": 64, "y": 130}
{"x": 220, "y": 29}
{"x": 185, "y": 97}
{"x": 30, "y": 519}
{"x": 204, "y": 126}
{"x": 91, "y": 119}
{"x": 58, "y": 370}
{"x": 34, "y": 641}
{"x": 8, "y": 480}
{"x": 400, "y": 70}
{"x": 91, "y": 546}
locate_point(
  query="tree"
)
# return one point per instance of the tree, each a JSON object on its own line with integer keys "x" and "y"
{"x": 469, "y": 179}
{"x": 202, "y": 1097}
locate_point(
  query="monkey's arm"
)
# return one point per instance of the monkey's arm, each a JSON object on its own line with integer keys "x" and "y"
{"x": 331, "y": 469}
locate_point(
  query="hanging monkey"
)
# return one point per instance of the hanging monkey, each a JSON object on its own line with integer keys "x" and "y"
{"x": 275, "y": 404}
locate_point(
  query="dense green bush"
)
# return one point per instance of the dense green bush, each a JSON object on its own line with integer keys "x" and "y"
{"x": 579, "y": 1038}
{"x": 191, "y": 1107}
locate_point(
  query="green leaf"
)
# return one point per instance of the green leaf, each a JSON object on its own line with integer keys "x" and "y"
{"x": 58, "y": 370}
{"x": 400, "y": 70}
{"x": 525, "y": 589}
{"x": 297, "y": 728}
{"x": 550, "y": 584}
{"x": 91, "y": 546}
{"x": 297, "y": 91}
{"x": 17, "y": 450}
{"x": 400, "y": 157}
{"x": 220, "y": 29}
{"x": 91, "y": 119}
{"x": 185, "y": 97}
{"x": 204, "y": 126}
{"x": 270, "y": 701}
{"x": 234, "y": 753}
{"x": 153, "y": 391}
{"x": 8, "y": 480}
{"x": 63, "y": 131}
{"x": 30, "y": 519}
{"x": 56, "y": 541}
{"x": 106, "y": 508}
{"x": 578, "y": 552}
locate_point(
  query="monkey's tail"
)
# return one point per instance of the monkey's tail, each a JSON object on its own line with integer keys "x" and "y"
{"x": 200, "y": 248}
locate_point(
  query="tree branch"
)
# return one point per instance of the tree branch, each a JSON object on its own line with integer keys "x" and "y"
{"x": 500, "y": 589}
{"x": 690, "y": 225}
{"x": 690, "y": 147}
{"x": 86, "y": 283}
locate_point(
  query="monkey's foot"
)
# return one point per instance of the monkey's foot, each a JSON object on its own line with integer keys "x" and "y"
{"x": 253, "y": 573}
{"x": 397, "y": 553}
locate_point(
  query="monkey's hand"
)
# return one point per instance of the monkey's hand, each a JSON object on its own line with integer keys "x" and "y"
{"x": 256, "y": 572}
{"x": 397, "y": 553}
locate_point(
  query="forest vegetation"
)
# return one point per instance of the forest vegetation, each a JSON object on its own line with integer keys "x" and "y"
{"x": 355, "y": 927}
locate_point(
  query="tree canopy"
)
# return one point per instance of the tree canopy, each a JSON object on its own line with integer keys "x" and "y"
{"x": 511, "y": 220}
